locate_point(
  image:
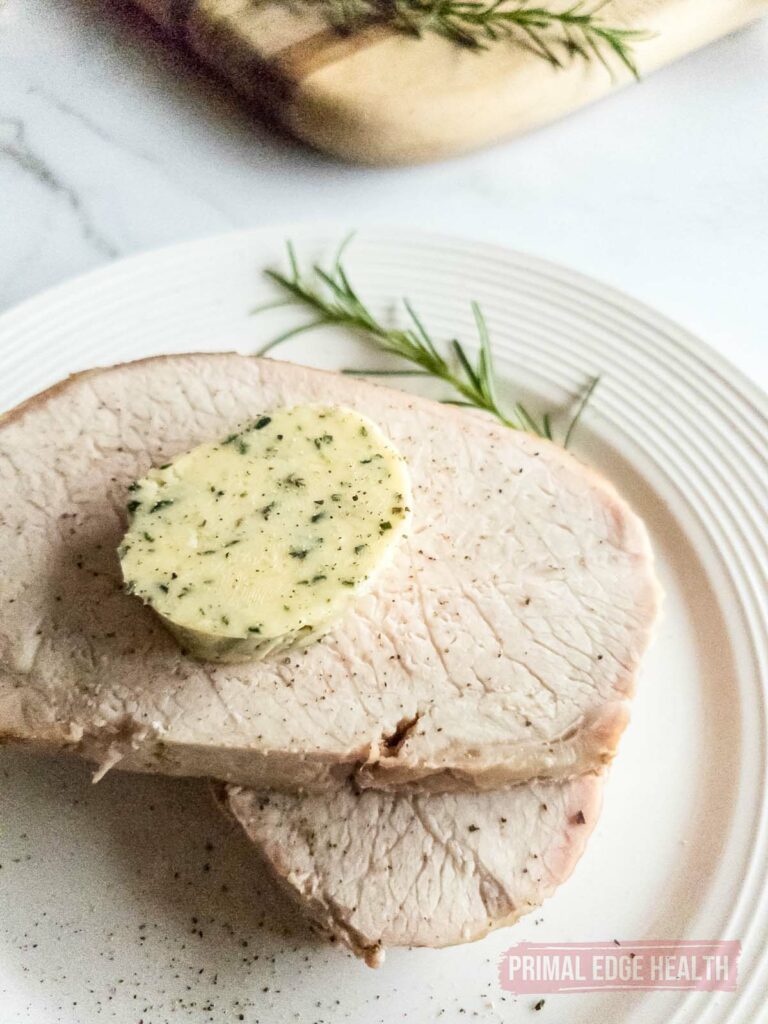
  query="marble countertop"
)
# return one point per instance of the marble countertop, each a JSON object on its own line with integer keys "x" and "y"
{"x": 111, "y": 143}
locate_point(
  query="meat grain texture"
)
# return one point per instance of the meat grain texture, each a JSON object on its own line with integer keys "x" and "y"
{"x": 501, "y": 644}
{"x": 381, "y": 869}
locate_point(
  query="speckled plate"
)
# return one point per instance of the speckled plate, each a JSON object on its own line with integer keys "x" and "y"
{"x": 134, "y": 900}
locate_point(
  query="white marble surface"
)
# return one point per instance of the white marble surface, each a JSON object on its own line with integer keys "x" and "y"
{"x": 110, "y": 144}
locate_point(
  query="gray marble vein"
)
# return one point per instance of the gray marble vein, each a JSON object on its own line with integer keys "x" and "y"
{"x": 109, "y": 138}
{"x": 15, "y": 146}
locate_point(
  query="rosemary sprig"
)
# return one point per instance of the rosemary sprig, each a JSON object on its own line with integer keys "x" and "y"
{"x": 554, "y": 35}
{"x": 334, "y": 301}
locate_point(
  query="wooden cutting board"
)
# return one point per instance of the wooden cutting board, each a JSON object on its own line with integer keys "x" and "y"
{"x": 382, "y": 97}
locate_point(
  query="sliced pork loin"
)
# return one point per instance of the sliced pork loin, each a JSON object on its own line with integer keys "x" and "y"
{"x": 500, "y": 644}
{"x": 379, "y": 869}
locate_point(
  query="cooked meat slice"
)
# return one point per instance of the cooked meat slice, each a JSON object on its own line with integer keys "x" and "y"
{"x": 378, "y": 869}
{"x": 500, "y": 644}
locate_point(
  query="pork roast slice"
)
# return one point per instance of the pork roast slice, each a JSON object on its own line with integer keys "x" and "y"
{"x": 500, "y": 644}
{"x": 380, "y": 869}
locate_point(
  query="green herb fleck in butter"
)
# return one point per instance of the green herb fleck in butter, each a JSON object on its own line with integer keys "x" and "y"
{"x": 264, "y": 539}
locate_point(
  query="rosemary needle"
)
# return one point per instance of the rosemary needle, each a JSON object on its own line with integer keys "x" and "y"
{"x": 580, "y": 409}
{"x": 556, "y": 36}
{"x": 333, "y": 300}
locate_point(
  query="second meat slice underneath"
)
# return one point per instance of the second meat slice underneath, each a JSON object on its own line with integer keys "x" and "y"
{"x": 376, "y": 870}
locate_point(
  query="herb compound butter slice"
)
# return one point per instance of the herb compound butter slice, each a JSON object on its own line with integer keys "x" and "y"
{"x": 264, "y": 539}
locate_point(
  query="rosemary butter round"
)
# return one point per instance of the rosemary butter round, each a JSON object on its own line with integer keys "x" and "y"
{"x": 264, "y": 539}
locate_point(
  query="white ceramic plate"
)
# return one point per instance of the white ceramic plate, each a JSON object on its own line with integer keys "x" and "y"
{"x": 135, "y": 901}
